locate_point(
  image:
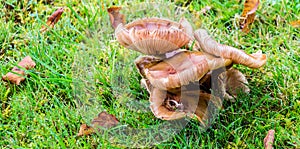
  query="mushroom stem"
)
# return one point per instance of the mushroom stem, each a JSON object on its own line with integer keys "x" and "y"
{"x": 209, "y": 45}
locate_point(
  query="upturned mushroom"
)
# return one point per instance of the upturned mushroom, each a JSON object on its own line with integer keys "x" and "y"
{"x": 193, "y": 100}
{"x": 181, "y": 102}
{"x": 154, "y": 36}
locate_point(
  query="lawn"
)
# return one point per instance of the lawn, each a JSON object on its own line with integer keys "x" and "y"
{"x": 82, "y": 70}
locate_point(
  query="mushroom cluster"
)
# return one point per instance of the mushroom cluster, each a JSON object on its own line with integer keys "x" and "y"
{"x": 184, "y": 70}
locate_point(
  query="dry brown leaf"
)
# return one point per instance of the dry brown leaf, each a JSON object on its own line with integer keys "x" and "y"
{"x": 103, "y": 120}
{"x": 18, "y": 75}
{"x": 295, "y": 23}
{"x": 115, "y": 16}
{"x": 85, "y": 130}
{"x": 248, "y": 14}
{"x": 53, "y": 19}
{"x": 269, "y": 139}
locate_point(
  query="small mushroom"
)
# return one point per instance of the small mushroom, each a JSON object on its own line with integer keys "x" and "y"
{"x": 230, "y": 83}
{"x": 209, "y": 45}
{"x": 154, "y": 36}
{"x": 235, "y": 82}
{"x": 179, "y": 70}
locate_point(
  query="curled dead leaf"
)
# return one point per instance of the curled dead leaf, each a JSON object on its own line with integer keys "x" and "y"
{"x": 115, "y": 16}
{"x": 17, "y": 75}
{"x": 248, "y": 14}
{"x": 269, "y": 139}
{"x": 53, "y": 19}
{"x": 103, "y": 120}
{"x": 209, "y": 45}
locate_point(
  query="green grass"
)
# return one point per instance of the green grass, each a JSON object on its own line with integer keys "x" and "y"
{"x": 81, "y": 70}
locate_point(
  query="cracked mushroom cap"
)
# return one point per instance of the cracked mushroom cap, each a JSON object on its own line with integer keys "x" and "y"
{"x": 179, "y": 70}
{"x": 154, "y": 36}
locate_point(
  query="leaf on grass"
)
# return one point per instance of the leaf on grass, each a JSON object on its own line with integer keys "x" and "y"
{"x": 269, "y": 139}
{"x": 53, "y": 19}
{"x": 85, "y": 130}
{"x": 248, "y": 14}
{"x": 17, "y": 75}
{"x": 115, "y": 16}
{"x": 103, "y": 120}
{"x": 295, "y": 23}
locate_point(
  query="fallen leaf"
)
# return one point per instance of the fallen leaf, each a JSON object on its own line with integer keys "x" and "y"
{"x": 103, "y": 120}
{"x": 115, "y": 16}
{"x": 53, "y": 19}
{"x": 269, "y": 139}
{"x": 295, "y": 23}
{"x": 248, "y": 14}
{"x": 85, "y": 130}
{"x": 18, "y": 75}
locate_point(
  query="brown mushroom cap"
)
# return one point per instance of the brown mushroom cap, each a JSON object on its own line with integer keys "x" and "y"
{"x": 154, "y": 36}
{"x": 179, "y": 70}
